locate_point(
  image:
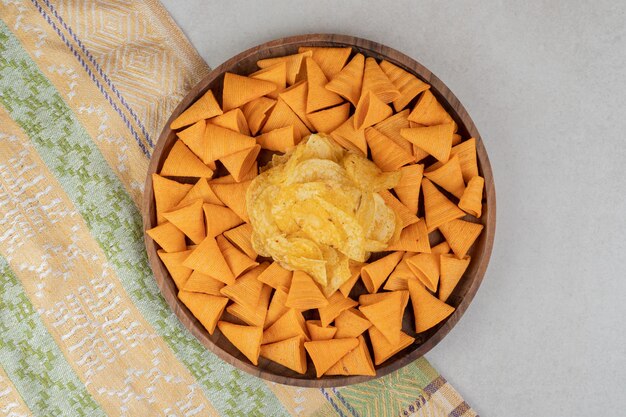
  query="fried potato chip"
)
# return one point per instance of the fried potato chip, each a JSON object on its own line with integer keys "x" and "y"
{"x": 234, "y": 197}
{"x": 337, "y": 303}
{"x": 167, "y": 194}
{"x": 438, "y": 208}
{"x": 408, "y": 188}
{"x": 294, "y": 62}
{"x": 330, "y": 60}
{"x": 199, "y": 282}
{"x": 428, "y": 309}
{"x": 367, "y": 175}
{"x": 276, "y": 74}
{"x": 318, "y": 97}
{"x": 383, "y": 350}
{"x": 452, "y": 270}
{"x": 173, "y": 261}
{"x": 295, "y": 97}
{"x": 471, "y": 200}
{"x": 280, "y": 140}
{"x": 241, "y": 237}
{"x": 181, "y": 162}
{"x": 304, "y": 294}
{"x": 386, "y": 154}
{"x": 208, "y": 259}
{"x": 256, "y": 112}
{"x": 282, "y": 116}
{"x": 376, "y": 81}
{"x": 408, "y": 84}
{"x": 356, "y": 362}
{"x": 406, "y": 216}
{"x": 448, "y": 176}
{"x": 326, "y": 353}
{"x": 169, "y": 237}
{"x": 277, "y": 307}
{"x": 370, "y": 110}
{"x": 386, "y": 315}
{"x": 351, "y": 323}
{"x": 289, "y": 352}
{"x": 428, "y": 111}
{"x": 436, "y": 140}
{"x": 374, "y": 274}
{"x": 206, "y": 308}
{"x": 326, "y": 121}
{"x": 288, "y": 325}
{"x": 236, "y": 260}
{"x": 239, "y": 90}
{"x": 245, "y": 338}
{"x": 461, "y": 235}
{"x": 189, "y": 220}
{"x": 255, "y": 316}
{"x": 425, "y": 266}
{"x": 318, "y": 332}
{"x": 349, "y": 81}
{"x": 355, "y": 273}
{"x": 204, "y": 108}
{"x": 202, "y": 191}
{"x": 247, "y": 289}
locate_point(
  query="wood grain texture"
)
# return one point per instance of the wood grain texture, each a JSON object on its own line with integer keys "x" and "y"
{"x": 245, "y": 63}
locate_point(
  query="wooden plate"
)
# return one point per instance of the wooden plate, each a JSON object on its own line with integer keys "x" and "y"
{"x": 245, "y": 63}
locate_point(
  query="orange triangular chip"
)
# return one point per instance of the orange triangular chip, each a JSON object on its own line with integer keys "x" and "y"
{"x": 330, "y": 60}
{"x": 280, "y": 140}
{"x": 206, "y": 308}
{"x": 239, "y": 163}
{"x": 277, "y": 277}
{"x": 202, "y": 191}
{"x": 237, "y": 261}
{"x": 369, "y": 299}
{"x": 376, "y": 81}
{"x": 350, "y": 138}
{"x": 289, "y": 353}
{"x": 374, "y": 274}
{"x": 456, "y": 139}
{"x": 277, "y": 307}
{"x": 351, "y": 323}
{"x": 425, "y": 266}
{"x": 204, "y": 108}
{"x": 208, "y": 259}
{"x": 199, "y": 282}
{"x": 247, "y": 289}
{"x": 391, "y": 128}
{"x": 245, "y": 338}
{"x": 441, "y": 249}
{"x": 169, "y": 237}
{"x": 427, "y": 309}
{"x": 295, "y": 97}
{"x": 386, "y": 154}
{"x": 219, "y": 219}
{"x": 326, "y": 353}
{"x": 448, "y": 176}
{"x": 181, "y": 162}
{"x": 460, "y": 235}
{"x": 241, "y": 237}
{"x": 173, "y": 261}
{"x": 326, "y": 121}
{"x": 356, "y": 362}
{"x": 384, "y": 350}
{"x": 276, "y": 74}
{"x": 386, "y": 315}
{"x": 436, "y": 140}
{"x": 318, "y": 97}
{"x": 413, "y": 238}
{"x": 189, "y": 220}
{"x": 355, "y": 273}
{"x": 193, "y": 138}
{"x": 472, "y": 199}
{"x": 337, "y": 303}
{"x": 408, "y": 188}
{"x": 256, "y": 112}
{"x": 234, "y": 196}
{"x": 467, "y": 157}
{"x": 255, "y": 316}
{"x": 233, "y": 120}
{"x": 397, "y": 281}
{"x": 405, "y": 215}
{"x": 220, "y": 142}
{"x": 438, "y": 208}
{"x": 304, "y": 294}
{"x": 349, "y": 81}
{"x": 408, "y": 84}
{"x": 239, "y": 90}
{"x": 319, "y": 332}
{"x": 428, "y": 111}
{"x": 370, "y": 110}
{"x": 288, "y": 325}
{"x": 283, "y": 116}
{"x": 452, "y": 270}
{"x": 294, "y": 62}
{"x": 167, "y": 194}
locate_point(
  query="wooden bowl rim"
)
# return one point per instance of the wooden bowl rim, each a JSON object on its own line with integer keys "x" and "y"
{"x": 395, "y": 57}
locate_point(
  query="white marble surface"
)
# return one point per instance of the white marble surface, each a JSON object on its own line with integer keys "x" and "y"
{"x": 546, "y": 86}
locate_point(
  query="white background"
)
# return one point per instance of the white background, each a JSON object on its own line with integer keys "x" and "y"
{"x": 546, "y": 86}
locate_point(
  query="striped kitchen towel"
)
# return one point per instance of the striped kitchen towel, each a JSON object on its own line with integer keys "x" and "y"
{"x": 85, "y": 87}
